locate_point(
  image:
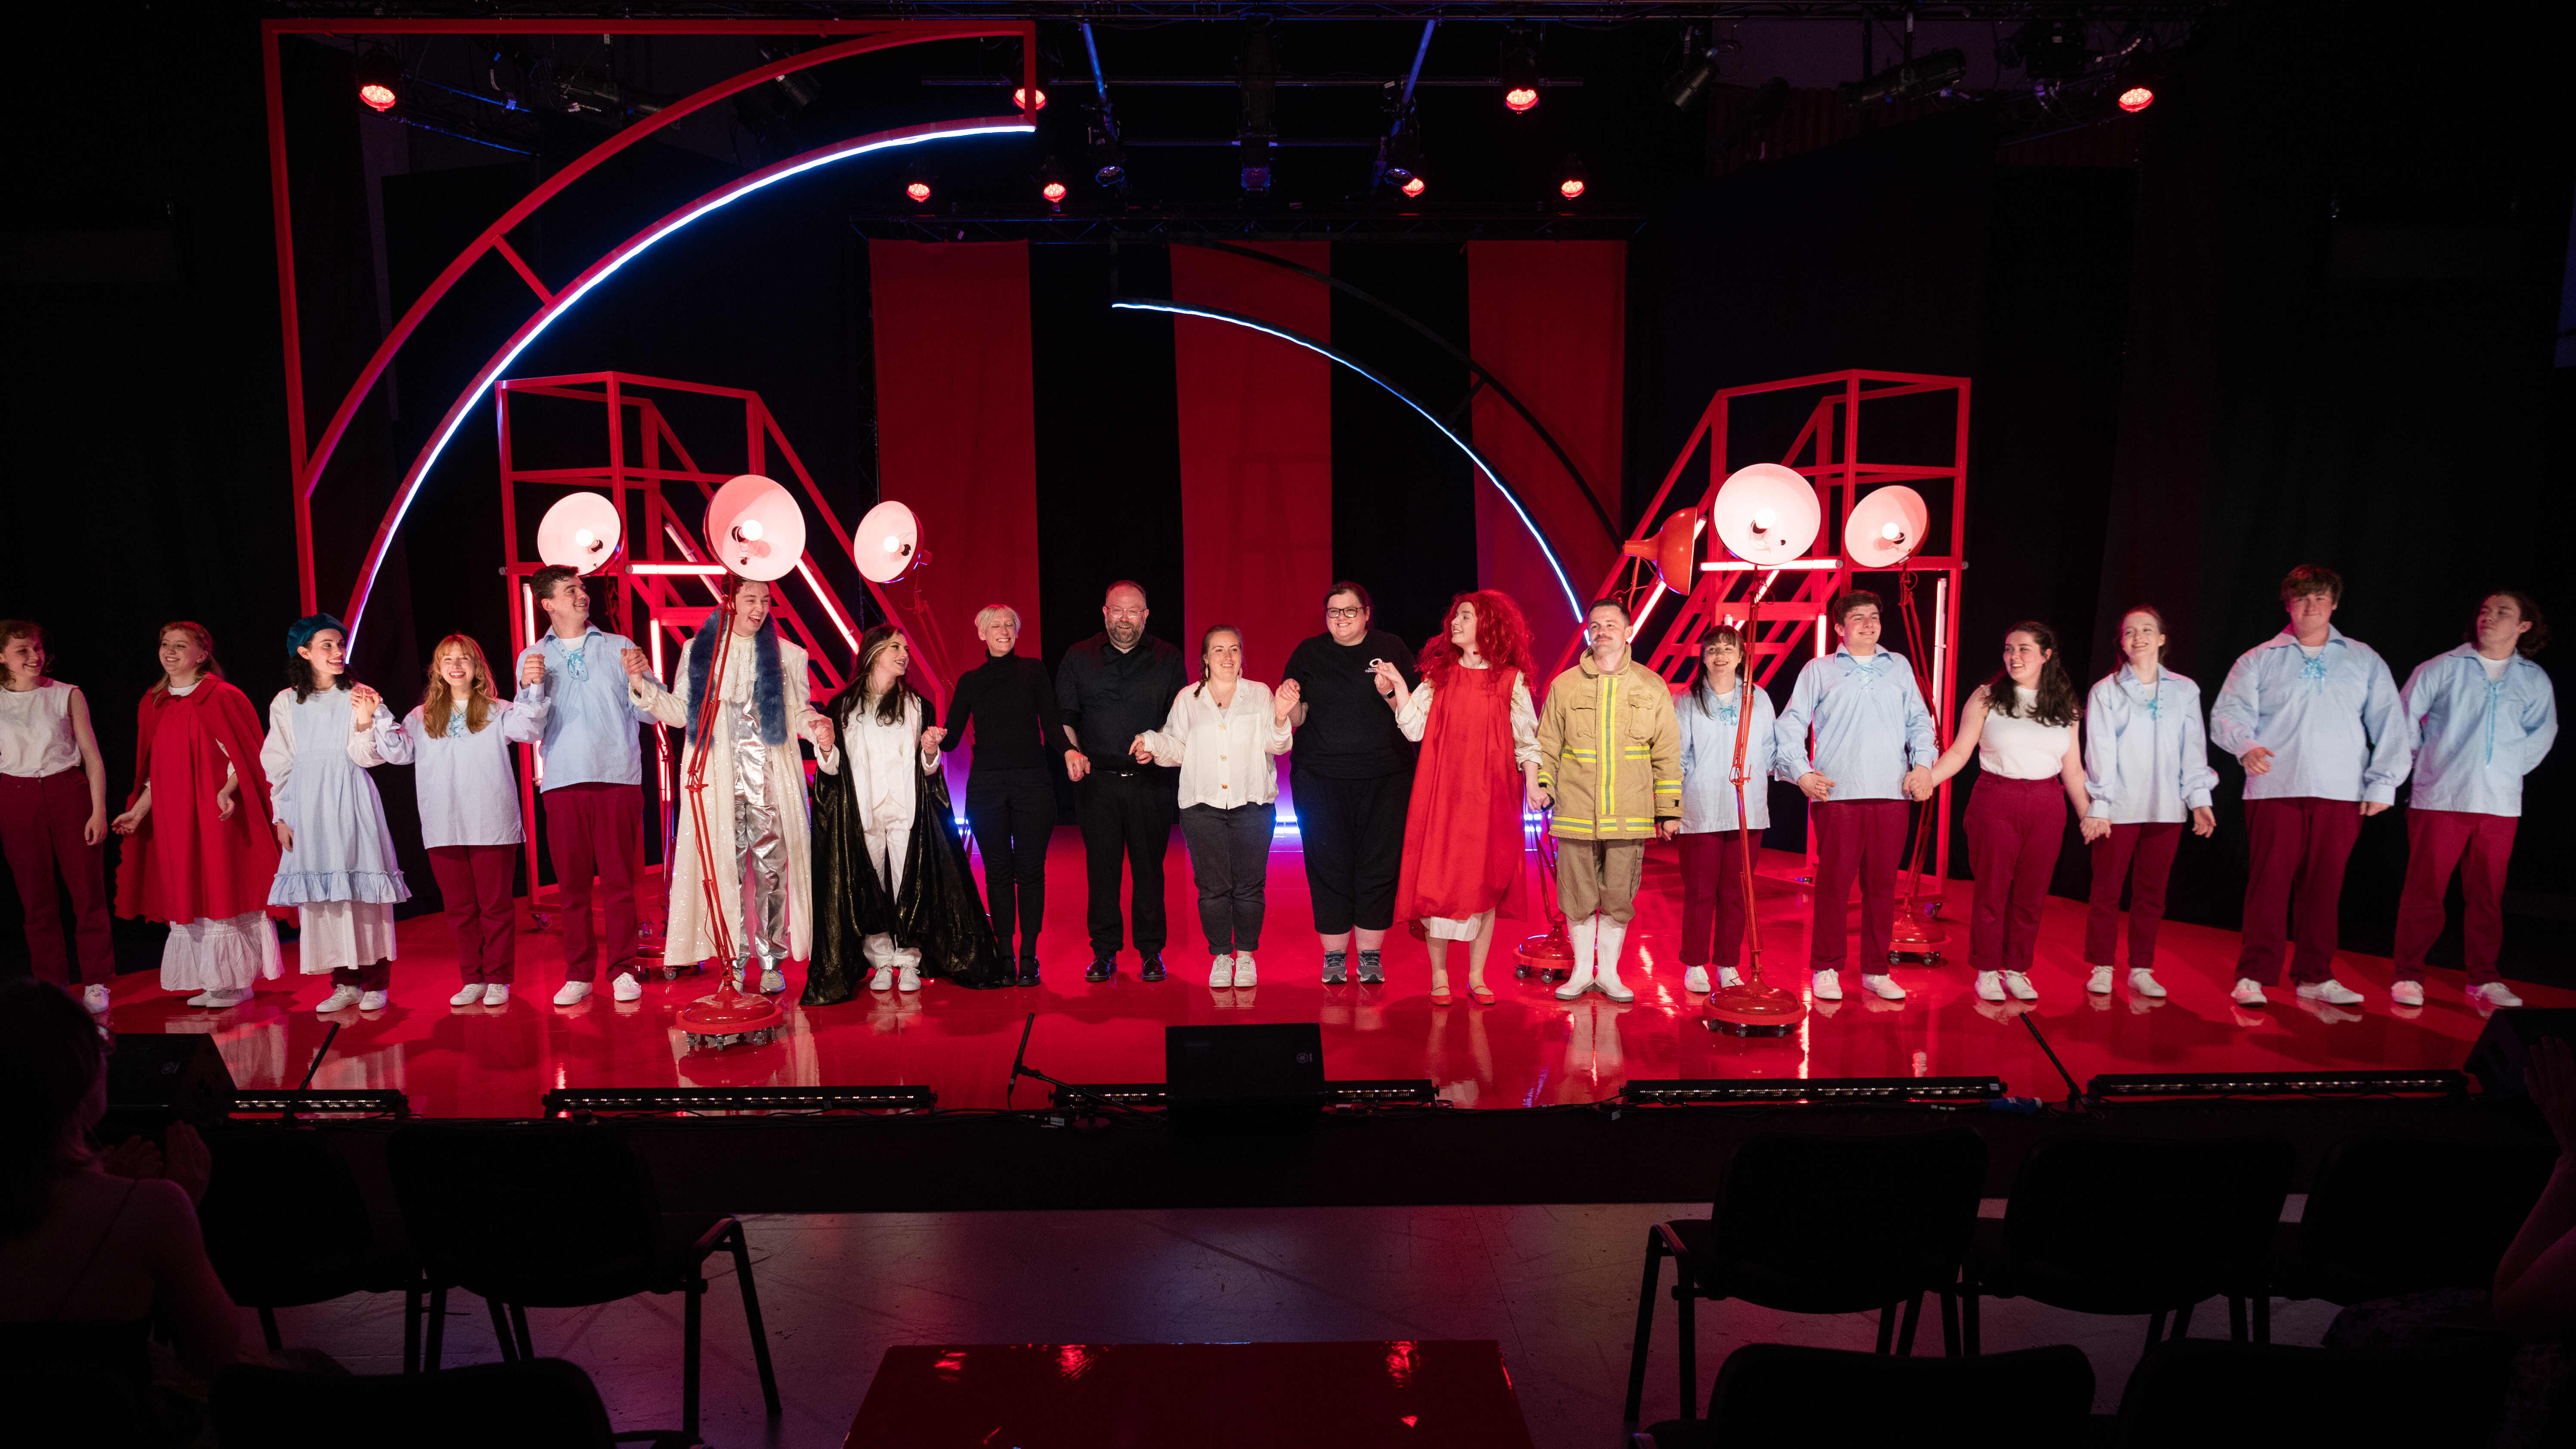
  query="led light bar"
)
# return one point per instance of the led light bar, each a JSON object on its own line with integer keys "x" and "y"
{"x": 1685, "y": 1092}
{"x": 1391, "y": 1090}
{"x": 2275, "y": 1084}
{"x": 597, "y": 1100}
{"x": 294, "y": 1104}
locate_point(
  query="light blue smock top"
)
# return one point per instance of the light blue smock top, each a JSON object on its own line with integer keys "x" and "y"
{"x": 1708, "y": 759}
{"x": 2477, "y": 737}
{"x": 2146, "y": 758}
{"x": 469, "y": 794}
{"x": 1870, "y": 723}
{"x": 590, "y": 724}
{"x": 2334, "y": 723}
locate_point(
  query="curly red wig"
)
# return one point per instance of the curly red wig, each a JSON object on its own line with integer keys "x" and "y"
{"x": 1502, "y": 637}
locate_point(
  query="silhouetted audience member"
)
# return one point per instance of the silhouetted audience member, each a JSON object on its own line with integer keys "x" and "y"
{"x": 2535, "y": 1285}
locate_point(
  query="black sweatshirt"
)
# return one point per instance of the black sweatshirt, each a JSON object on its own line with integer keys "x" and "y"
{"x": 1012, "y": 708}
{"x": 1350, "y": 732}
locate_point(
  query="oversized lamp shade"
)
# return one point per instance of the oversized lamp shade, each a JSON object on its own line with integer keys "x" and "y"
{"x": 755, "y": 528}
{"x": 1671, "y": 548}
{"x": 1766, "y": 514}
{"x": 1886, "y": 528}
{"x": 580, "y": 532}
{"x": 888, "y": 543}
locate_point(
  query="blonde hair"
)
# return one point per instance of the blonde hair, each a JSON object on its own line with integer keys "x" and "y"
{"x": 437, "y": 702}
{"x": 986, "y": 613}
{"x": 211, "y": 669}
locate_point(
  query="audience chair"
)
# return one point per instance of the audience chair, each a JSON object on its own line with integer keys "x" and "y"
{"x": 2134, "y": 1226}
{"x": 538, "y": 1403}
{"x": 2212, "y": 1395}
{"x": 2394, "y": 1214}
{"x": 558, "y": 1215}
{"x": 286, "y": 1225}
{"x": 1820, "y": 1224}
{"x": 1777, "y": 1393}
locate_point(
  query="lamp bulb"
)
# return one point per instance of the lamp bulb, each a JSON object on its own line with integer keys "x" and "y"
{"x": 581, "y": 538}
{"x": 893, "y": 544}
{"x": 748, "y": 530}
{"x": 1892, "y": 532}
{"x": 1763, "y": 518}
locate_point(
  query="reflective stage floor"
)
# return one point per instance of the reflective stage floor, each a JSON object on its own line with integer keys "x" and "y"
{"x": 1527, "y": 1050}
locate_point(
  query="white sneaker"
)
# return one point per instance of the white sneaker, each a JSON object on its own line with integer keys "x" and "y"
{"x": 2143, "y": 982}
{"x": 1829, "y": 986}
{"x": 468, "y": 995}
{"x": 1728, "y": 976}
{"x": 773, "y": 982}
{"x": 2099, "y": 983}
{"x": 2330, "y": 991}
{"x": 2494, "y": 993}
{"x": 1244, "y": 974}
{"x": 95, "y": 998}
{"x": 573, "y": 993}
{"x": 627, "y": 987}
{"x": 1882, "y": 985}
{"x": 1990, "y": 986}
{"x": 908, "y": 979}
{"x": 219, "y": 1000}
{"x": 202, "y": 998}
{"x": 1696, "y": 979}
{"x": 374, "y": 1000}
{"x": 2018, "y": 983}
{"x": 883, "y": 980}
{"x": 340, "y": 999}
{"x": 2406, "y": 993}
{"x": 496, "y": 994}
{"x": 2249, "y": 992}
{"x": 1221, "y": 972}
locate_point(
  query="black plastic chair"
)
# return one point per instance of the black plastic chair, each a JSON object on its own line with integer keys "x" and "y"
{"x": 2124, "y": 1226}
{"x": 1820, "y": 1224}
{"x": 539, "y": 1403}
{"x": 560, "y": 1216}
{"x": 287, "y": 1225}
{"x": 1777, "y": 1393}
{"x": 2394, "y": 1214}
{"x": 2212, "y": 1395}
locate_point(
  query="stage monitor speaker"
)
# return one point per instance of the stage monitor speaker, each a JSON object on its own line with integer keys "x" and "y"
{"x": 154, "y": 1079}
{"x": 2503, "y": 1050}
{"x": 1271, "y": 1071}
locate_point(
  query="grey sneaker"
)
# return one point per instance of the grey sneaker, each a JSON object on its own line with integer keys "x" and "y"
{"x": 1336, "y": 967}
{"x": 1372, "y": 973}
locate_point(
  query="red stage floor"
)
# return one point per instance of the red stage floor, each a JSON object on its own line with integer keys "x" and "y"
{"x": 1528, "y": 1050}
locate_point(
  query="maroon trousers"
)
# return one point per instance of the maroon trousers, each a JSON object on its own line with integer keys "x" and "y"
{"x": 1863, "y": 839}
{"x": 2014, "y": 830}
{"x": 596, "y": 830}
{"x": 40, "y": 828}
{"x": 1713, "y": 897}
{"x": 475, "y": 882}
{"x": 2299, "y": 846}
{"x": 374, "y": 976}
{"x": 2435, "y": 842}
{"x": 2142, "y": 856}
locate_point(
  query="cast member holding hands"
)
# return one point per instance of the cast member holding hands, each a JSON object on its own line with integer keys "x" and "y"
{"x": 1609, "y": 761}
{"x": 2146, "y": 768}
{"x": 1112, "y": 687}
{"x": 1010, "y": 708}
{"x": 53, "y": 814}
{"x": 1224, "y": 733}
{"x": 1352, "y": 775}
{"x": 1708, "y": 714}
{"x": 337, "y": 865}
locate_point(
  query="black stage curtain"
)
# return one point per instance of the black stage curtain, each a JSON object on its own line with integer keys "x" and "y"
{"x": 1404, "y": 503}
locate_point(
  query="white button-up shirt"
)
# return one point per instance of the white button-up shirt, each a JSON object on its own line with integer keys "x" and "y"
{"x": 1225, "y": 754}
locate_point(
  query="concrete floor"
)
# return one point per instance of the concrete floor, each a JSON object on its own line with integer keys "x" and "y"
{"x": 1556, "y": 1285}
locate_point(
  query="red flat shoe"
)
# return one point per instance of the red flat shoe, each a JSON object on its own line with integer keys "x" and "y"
{"x": 1481, "y": 994}
{"x": 1440, "y": 994}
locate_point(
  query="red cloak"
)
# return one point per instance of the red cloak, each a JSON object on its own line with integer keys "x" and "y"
{"x": 182, "y": 863}
{"x": 1463, "y": 842}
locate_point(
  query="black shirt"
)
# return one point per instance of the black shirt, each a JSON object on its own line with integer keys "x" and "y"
{"x": 1350, "y": 732}
{"x": 1013, "y": 711}
{"x": 1109, "y": 697}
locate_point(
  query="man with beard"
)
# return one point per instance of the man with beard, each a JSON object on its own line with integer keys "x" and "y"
{"x": 1111, "y": 688}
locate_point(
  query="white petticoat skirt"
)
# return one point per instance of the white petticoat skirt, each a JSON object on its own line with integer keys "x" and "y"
{"x": 1444, "y": 928}
{"x": 221, "y": 955}
{"x": 336, "y": 934}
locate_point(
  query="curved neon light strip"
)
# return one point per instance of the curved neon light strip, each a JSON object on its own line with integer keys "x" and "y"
{"x": 601, "y": 271}
{"x": 1311, "y": 345}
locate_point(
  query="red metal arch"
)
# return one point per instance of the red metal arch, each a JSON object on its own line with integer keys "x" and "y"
{"x": 310, "y": 457}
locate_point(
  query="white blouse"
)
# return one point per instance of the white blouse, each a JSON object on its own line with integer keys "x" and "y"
{"x": 1224, "y": 754}
{"x": 2021, "y": 748}
{"x": 36, "y": 731}
{"x": 1415, "y": 717}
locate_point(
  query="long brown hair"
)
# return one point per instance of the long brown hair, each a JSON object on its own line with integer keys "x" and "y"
{"x": 1719, "y": 633}
{"x": 889, "y": 706}
{"x": 436, "y": 702}
{"x": 2533, "y": 640}
{"x": 2056, "y": 704}
{"x": 205, "y": 637}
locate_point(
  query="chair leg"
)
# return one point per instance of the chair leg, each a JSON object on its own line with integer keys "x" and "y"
{"x": 751, "y": 1317}
{"x": 2263, "y": 1318}
{"x": 1949, "y": 1323}
{"x": 1969, "y": 1335}
{"x": 519, "y": 1331}
{"x": 2235, "y": 1319}
{"x": 501, "y": 1330}
{"x": 1629, "y": 1413}
{"x": 437, "y": 1337}
{"x": 1886, "y": 1330}
{"x": 1686, "y": 1299}
{"x": 689, "y": 1330}
{"x": 268, "y": 1328}
{"x": 411, "y": 1326}
{"x": 1913, "y": 1320}
{"x": 2181, "y": 1323}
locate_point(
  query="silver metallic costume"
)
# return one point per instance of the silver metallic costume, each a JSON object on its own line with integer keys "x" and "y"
{"x": 763, "y": 848}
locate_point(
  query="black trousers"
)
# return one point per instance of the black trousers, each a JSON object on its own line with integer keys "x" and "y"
{"x": 1229, "y": 858}
{"x": 1125, "y": 821}
{"x": 1353, "y": 834}
{"x": 1012, "y": 812}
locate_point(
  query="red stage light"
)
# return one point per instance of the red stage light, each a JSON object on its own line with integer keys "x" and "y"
{"x": 2136, "y": 98}
{"x": 1520, "y": 98}
{"x": 1415, "y": 187}
{"x": 918, "y": 191}
{"x": 377, "y": 97}
{"x": 1570, "y": 188}
{"x": 1020, "y": 97}
{"x": 1052, "y": 191}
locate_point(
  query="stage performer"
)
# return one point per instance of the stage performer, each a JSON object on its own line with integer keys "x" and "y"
{"x": 1713, "y": 900}
{"x": 1223, "y": 733}
{"x": 2146, "y": 768}
{"x": 1351, "y": 776}
{"x": 893, "y": 889}
{"x": 2485, "y": 714}
{"x": 2316, "y": 720}
{"x": 1112, "y": 687}
{"x": 457, "y": 741}
{"x": 1610, "y": 761}
{"x": 2021, "y": 726}
{"x": 53, "y": 814}
{"x": 1874, "y": 751}
{"x": 753, "y": 814}
{"x": 1010, "y": 707}
{"x": 337, "y": 868}
{"x": 592, "y": 781}
{"x": 200, "y": 852}
{"x": 1462, "y": 830}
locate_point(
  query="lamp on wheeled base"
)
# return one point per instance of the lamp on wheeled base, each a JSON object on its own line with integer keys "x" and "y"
{"x": 1549, "y": 956}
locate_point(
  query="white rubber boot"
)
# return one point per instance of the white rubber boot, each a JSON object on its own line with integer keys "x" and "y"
{"x": 1584, "y": 933}
{"x": 1614, "y": 934}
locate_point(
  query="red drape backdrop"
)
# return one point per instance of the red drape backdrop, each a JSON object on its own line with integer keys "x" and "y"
{"x": 1550, "y": 320}
{"x": 1256, "y": 452}
{"x": 956, "y": 436}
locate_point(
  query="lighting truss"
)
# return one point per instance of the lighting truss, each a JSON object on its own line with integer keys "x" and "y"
{"x": 1686, "y": 1092}
{"x": 667, "y": 1101}
{"x": 2276, "y": 1084}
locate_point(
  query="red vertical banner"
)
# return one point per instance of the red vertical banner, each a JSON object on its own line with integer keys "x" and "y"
{"x": 957, "y": 433}
{"x": 1256, "y": 451}
{"x": 1550, "y": 321}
